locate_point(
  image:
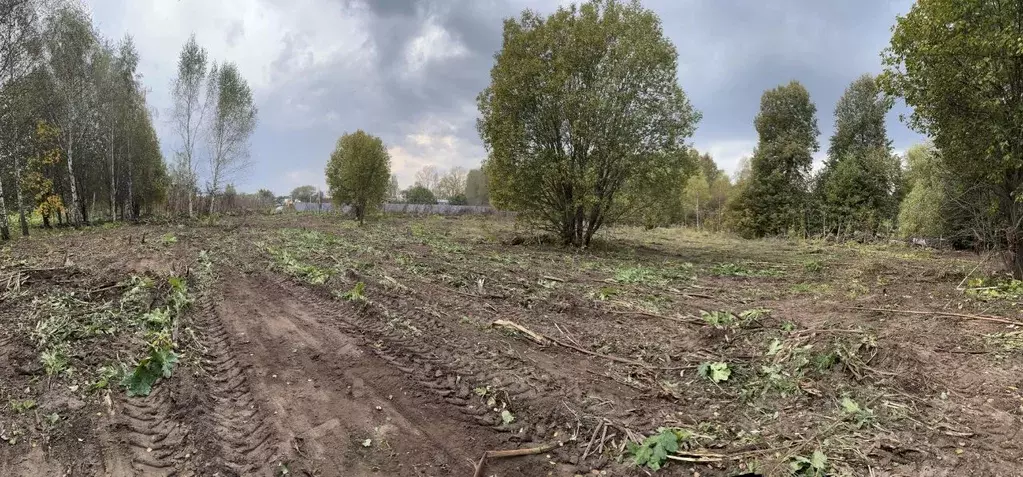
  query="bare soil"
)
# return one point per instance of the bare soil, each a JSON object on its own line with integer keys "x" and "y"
{"x": 288, "y": 366}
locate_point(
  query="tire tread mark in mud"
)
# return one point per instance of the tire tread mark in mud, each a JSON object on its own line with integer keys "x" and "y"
{"x": 156, "y": 433}
{"x": 245, "y": 436}
{"x": 438, "y": 367}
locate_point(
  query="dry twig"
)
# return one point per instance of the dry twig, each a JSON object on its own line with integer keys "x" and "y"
{"x": 498, "y": 454}
{"x": 992, "y": 319}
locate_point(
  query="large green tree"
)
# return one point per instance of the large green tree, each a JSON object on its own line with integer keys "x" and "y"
{"x": 359, "y": 173}
{"x": 580, "y": 103}
{"x": 958, "y": 64}
{"x": 857, "y": 190}
{"x": 920, "y": 214}
{"x": 773, "y": 199}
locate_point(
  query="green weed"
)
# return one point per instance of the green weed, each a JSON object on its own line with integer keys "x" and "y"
{"x": 653, "y": 452}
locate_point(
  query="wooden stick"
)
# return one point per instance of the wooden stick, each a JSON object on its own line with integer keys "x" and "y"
{"x": 993, "y": 319}
{"x": 499, "y": 454}
{"x": 553, "y": 279}
{"x": 511, "y": 325}
{"x": 697, "y": 457}
{"x": 543, "y": 339}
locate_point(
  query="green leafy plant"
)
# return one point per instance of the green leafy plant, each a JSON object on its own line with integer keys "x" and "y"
{"x": 168, "y": 239}
{"x": 754, "y": 314}
{"x": 853, "y": 412}
{"x": 22, "y": 405}
{"x": 507, "y": 417}
{"x": 718, "y": 319}
{"x": 813, "y": 266}
{"x": 55, "y": 359}
{"x": 653, "y": 452}
{"x": 356, "y": 293}
{"x": 158, "y": 364}
{"x": 814, "y": 466}
{"x": 636, "y": 275}
{"x": 717, "y": 371}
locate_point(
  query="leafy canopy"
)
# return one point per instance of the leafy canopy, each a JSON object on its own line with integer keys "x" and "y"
{"x": 359, "y": 173}
{"x": 580, "y": 104}
{"x": 958, "y": 64}
{"x": 773, "y": 198}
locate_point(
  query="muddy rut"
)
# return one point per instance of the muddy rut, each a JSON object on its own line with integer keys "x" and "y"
{"x": 333, "y": 407}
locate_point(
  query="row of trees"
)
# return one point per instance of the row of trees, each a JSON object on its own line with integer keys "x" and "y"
{"x": 858, "y": 190}
{"x": 77, "y": 139}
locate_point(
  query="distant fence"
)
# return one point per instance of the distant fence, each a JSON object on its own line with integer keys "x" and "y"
{"x": 411, "y": 209}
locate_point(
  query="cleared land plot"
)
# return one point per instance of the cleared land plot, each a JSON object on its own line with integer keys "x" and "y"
{"x": 305, "y": 344}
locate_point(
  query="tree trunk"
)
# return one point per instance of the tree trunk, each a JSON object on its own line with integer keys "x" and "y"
{"x": 21, "y": 202}
{"x": 113, "y": 181}
{"x": 5, "y": 231}
{"x": 75, "y": 212}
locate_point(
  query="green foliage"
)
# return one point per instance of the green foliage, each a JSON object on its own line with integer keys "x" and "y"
{"x": 584, "y": 170}
{"x": 813, "y": 266}
{"x": 716, "y": 371}
{"x": 507, "y": 417}
{"x": 773, "y": 200}
{"x": 22, "y": 405}
{"x": 994, "y": 289}
{"x": 860, "y": 186}
{"x": 356, "y": 293}
{"x": 653, "y": 452}
{"x": 814, "y": 466}
{"x": 956, "y": 64}
{"x": 290, "y": 265}
{"x": 158, "y": 364}
{"x": 857, "y": 415}
{"x": 718, "y": 319}
{"x": 418, "y": 194}
{"x": 458, "y": 199}
{"x": 168, "y": 239}
{"x": 477, "y": 192}
{"x": 55, "y": 359}
{"x": 306, "y": 193}
{"x": 921, "y": 212}
{"x": 359, "y": 172}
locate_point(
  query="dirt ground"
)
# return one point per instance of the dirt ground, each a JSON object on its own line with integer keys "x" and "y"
{"x": 411, "y": 346}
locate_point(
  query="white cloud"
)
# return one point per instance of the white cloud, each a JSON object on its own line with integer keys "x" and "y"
{"x": 433, "y": 43}
{"x": 727, "y": 154}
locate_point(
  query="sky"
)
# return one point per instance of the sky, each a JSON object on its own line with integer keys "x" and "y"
{"x": 409, "y": 71}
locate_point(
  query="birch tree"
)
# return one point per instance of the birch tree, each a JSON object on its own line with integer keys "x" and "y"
{"x": 71, "y": 44}
{"x": 189, "y": 111}
{"x": 231, "y": 123}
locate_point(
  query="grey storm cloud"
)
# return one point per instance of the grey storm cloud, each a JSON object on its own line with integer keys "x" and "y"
{"x": 409, "y": 71}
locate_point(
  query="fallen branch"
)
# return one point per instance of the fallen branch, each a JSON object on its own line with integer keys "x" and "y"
{"x": 993, "y": 319}
{"x": 499, "y": 454}
{"x": 553, "y": 279}
{"x": 511, "y": 325}
{"x": 543, "y": 340}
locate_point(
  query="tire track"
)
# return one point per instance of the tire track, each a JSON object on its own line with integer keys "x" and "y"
{"x": 156, "y": 434}
{"x": 456, "y": 367}
{"x": 244, "y": 438}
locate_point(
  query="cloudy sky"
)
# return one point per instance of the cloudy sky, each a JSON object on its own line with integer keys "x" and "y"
{"x": 409, "y": 70}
